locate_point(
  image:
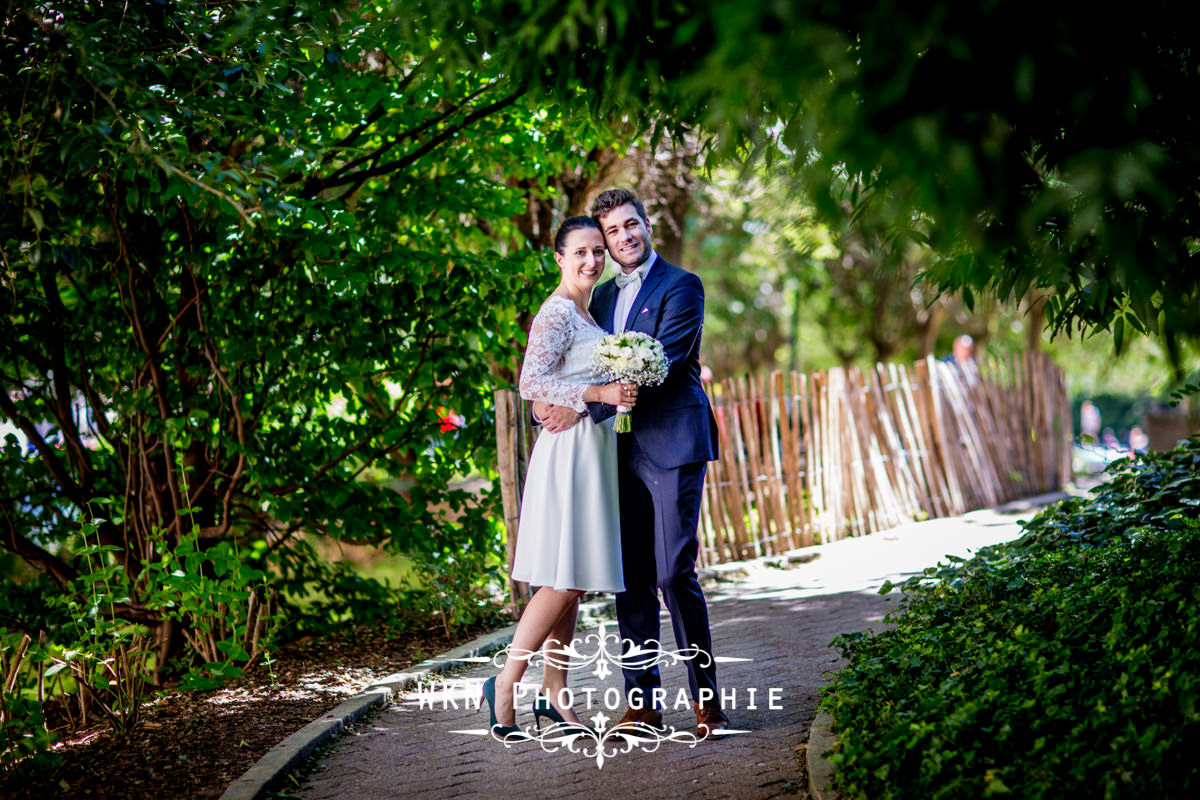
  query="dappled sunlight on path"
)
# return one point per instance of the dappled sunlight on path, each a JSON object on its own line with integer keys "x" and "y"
{"x": 772, "y": 628}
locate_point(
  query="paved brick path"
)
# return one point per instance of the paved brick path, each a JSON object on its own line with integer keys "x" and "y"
{"x": 780, "y": 620}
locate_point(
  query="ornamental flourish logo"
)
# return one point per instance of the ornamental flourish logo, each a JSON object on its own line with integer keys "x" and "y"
{"x": 602, "y": 654}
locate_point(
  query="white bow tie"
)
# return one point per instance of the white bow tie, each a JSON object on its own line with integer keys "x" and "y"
{"x": 624, "y": 279}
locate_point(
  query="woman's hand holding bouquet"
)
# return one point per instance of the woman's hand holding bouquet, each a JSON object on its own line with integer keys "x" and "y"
{"x": 631, "y": 357}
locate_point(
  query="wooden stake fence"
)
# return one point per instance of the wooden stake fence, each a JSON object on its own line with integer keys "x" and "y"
{"x": 810, "y": 458}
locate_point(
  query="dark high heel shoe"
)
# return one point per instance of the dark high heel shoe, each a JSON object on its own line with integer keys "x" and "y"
{"x": 543, "y": 708}
{"x": 489, "y": 694}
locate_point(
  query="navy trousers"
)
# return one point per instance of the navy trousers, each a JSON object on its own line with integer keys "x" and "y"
{"x": 660, "y": 510}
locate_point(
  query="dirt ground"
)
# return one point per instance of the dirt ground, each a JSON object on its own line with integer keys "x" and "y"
{"x": 193, "y": 744}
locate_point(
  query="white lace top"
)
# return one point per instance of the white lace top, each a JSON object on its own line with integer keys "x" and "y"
{"x": 557, "y": 366}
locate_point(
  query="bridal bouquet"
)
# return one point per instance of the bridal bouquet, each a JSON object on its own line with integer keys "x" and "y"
{"x": 631, "y": 357}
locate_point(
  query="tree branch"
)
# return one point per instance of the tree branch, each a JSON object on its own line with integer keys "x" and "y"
{"x": 62, "y": 385}
{"x": 93, "y": 400}
{"x": 226, "y": 521}
{"x": 73, "y": 490}
{"x": 160, "y": 393}
{"x": 374, "y": 116}
{"x": 145, "y": 147}
{"x": 135, "y": 613}
{"x": 411, "y": 133}
{"x": 59, "y": 571}
{"x": 358, "y": 178}
{"x": 364, "y": 441}
{"x": 148, "y": 474}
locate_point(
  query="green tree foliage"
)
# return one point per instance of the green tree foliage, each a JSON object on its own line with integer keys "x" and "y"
{"x": 785, "y": 289}
{"x": 253, "y": 255}
{"x": 1026, "y": 150}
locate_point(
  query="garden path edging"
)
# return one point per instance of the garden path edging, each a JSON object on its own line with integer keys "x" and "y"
{"x": 820, "y": 769}
{"x": 292, "y": 751}
{"x": 283, "y": 758}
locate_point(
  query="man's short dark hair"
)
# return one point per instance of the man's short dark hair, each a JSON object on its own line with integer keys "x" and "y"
{"x": 615, "y": 198}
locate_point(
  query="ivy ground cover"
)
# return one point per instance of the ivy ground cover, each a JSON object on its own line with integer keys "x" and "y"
{"x": 1063, "y": 664}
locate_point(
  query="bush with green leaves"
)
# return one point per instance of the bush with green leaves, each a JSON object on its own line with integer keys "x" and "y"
{"x": 1063, "y": 664}
{"x": 452, "y": 592}
{"x": 24, "y": 736}
{"x": 253, "y": 256}
{"x": 219, "y": 603}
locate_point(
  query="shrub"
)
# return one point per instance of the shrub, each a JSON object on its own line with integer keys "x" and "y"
{"x": 23, "y": 732}
{"x": 221, "y": 605}
{"x": 1064, "y": 664}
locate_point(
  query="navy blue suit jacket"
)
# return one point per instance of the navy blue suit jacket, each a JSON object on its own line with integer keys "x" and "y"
{"x": 673, "y": 422}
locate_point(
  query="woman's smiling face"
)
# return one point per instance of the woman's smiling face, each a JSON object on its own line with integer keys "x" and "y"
{"x": 582, "y": 260}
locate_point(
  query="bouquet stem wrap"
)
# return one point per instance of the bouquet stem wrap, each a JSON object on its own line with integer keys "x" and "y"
{"x": 630, "y": 357}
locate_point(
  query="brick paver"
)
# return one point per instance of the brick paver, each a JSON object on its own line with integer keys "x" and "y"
{"x": 781, "y": 621}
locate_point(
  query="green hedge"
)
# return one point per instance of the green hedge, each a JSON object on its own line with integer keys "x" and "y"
{"x": 1063, "y": 664}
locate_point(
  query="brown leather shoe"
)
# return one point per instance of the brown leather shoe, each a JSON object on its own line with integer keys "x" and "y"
{"x": 646, "y": 716}
{"x": 710, "y": 718}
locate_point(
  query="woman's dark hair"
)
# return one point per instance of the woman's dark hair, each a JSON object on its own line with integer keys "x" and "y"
{"x": 572, "y": 224}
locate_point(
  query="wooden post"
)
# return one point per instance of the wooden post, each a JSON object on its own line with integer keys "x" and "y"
{"x": 804, "y": 399}
{"x": 792, "y": 496}
{"x": 904, "y": 458}
{"x": 737, "y": 471}
{"x": 754, "y": 475}
{"x": 824, "y": 468}
{"x": 507, "y": 424}
{"x": 930, "y": 401}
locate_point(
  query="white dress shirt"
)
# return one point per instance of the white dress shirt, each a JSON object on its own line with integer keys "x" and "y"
{"x": 626, "y": 295}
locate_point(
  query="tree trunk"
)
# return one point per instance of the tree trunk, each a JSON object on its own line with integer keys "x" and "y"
{"x": 1036, "y": 323}
{"x": 927, "y": 330}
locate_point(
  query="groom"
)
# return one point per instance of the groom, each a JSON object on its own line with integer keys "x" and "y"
{"x": 661, "y": 464}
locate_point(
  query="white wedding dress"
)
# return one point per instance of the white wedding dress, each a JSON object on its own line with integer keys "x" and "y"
{"x": 569, "y": 536}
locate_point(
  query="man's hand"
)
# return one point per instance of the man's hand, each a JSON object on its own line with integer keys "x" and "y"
{"x": 555, "y": 419}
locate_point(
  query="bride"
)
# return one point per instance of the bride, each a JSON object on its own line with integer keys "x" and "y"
{"x": 569, "y": 534}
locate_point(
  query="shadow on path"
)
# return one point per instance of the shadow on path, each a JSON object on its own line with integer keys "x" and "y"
{"x": 772, "y": 630}
{"x": 772, "y": 695}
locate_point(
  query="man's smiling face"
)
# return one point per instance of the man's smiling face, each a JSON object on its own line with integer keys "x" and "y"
{"x": 627, "y": 236}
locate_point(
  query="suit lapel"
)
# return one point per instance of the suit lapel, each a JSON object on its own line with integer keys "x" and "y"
{"x": 604, "y": 303}
{"x": 658, "y": 273}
